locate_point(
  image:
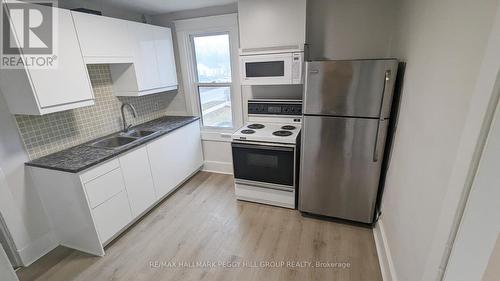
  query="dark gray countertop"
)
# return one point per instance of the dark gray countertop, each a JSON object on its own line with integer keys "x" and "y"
{"x": 83, "y": 156}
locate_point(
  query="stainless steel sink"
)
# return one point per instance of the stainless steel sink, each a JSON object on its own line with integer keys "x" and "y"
{"x": 113, "y": 142}
{"x": 122, "y": 139}
{"x": 138, "y": 133}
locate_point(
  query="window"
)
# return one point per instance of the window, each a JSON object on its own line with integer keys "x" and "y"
{"x": 213, "y": 79}
{"x": 208, "y": 54}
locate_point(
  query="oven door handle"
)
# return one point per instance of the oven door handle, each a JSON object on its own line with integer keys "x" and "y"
{"x": 259, "y": 146}
{"x": 265, "y": 185}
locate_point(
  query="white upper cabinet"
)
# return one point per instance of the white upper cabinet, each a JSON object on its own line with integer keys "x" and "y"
{"x": 165, "y": 57}
{"x": 141, "y": 60}
{"x": 144, "y": 52}
{"x": 272, "y": 24}
{"x": 153, "y": 69}
{"x": 103, "y": 39}
{"x": 36, "y": 91}
{"x": 141, "y": 56}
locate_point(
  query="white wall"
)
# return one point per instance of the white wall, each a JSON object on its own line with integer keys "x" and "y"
{"x": 443, "y": 43}
{"x": 350, "y": 29}
{"x": 480, "y": 225}
{"x": 218, "y": 157}
{"x": 20, "y": 204}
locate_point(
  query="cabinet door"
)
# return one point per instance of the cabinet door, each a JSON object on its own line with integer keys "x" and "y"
{"x": 144, "y": 50}
{"x": 112, "y": 216}
{"x": 138, "y": 180}
{"x": 278, "y": 24}
{"x": 174, "y": 157}
{"x": 102, "y": 36}
{"x": 51, "y": 85}
{"x": 165, "y": 56}
{"x": 108, "y": 200}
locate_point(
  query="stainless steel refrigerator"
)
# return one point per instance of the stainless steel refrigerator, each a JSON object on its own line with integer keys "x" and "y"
{"x": 347, "y": 108}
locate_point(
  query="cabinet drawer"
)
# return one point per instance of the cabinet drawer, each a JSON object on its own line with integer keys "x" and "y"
{"x": 112, "y": 216}
{"x": 104, "y": 187}
{"x": 99, "y": 170}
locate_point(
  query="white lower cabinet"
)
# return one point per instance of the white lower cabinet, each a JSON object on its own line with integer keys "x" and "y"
{"x": 138, "y": 180}
{"x": 174, "y": 158}
{"x": 107, "y": 199}
{"x": 92, "y": 207}
{"x": 100, "y": 189}
{"x": 112, "y": 216}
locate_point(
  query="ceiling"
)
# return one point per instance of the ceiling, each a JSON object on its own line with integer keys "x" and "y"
{"x": 154, "y": 7}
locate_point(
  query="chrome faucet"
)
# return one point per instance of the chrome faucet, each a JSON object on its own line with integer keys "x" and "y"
{"x": 134, "y": 113}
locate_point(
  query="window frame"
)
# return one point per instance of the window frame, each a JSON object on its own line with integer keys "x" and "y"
{"x": 186, "y": 31}
{"x": 198, "y": 84}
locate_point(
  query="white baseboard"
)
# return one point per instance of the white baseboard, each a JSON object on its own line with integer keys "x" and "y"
{"x": 384, "y": 253}
{"x": 38, "y": 248}
{"x": 218, "y": 167}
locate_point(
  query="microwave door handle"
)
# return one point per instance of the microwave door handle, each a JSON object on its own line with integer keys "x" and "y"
{"x": 387, "y": 77}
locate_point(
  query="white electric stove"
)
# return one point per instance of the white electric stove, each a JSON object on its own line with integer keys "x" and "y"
{"x": 265, "y": 153}
{"x": 285, "y": 132}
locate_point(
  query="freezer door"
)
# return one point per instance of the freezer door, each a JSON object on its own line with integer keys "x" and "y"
{"x": 355, "y": 88}
{"x": 340, "y": 166}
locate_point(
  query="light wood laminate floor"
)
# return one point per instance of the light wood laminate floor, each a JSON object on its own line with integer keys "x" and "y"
{"x": 202, "y": 233}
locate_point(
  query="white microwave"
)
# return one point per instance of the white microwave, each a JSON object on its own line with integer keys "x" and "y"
{"x": 272, "y": 68}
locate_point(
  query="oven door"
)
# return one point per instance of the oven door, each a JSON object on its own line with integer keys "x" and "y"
{"x": 264, "y": 165}
{"x": 267, "y": 69}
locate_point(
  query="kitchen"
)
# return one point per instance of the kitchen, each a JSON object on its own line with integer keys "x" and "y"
{"x": 190, "y": 140}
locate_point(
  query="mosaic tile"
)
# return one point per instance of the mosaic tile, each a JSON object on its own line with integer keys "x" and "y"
{"x": 43, "y": 135}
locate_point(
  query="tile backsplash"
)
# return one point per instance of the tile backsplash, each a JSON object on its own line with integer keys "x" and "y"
{"x": 46, "y": 134}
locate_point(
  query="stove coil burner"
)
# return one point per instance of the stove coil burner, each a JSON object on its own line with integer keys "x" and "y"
{"x": 282, "y": 133}
{"x": 247, "y": 132}
{"x": 288, "y": 127}
{"x": 256, "y": 126}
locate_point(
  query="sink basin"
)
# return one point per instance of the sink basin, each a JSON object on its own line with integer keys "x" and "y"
{"x": 138, "y": 133}
{"x": 121, "y": 139}
{"x": 113, "y": 142}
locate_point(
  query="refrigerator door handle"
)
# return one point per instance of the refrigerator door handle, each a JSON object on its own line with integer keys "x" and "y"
{"x": 380, "y": 120}
{"x": 377, "y": 138}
